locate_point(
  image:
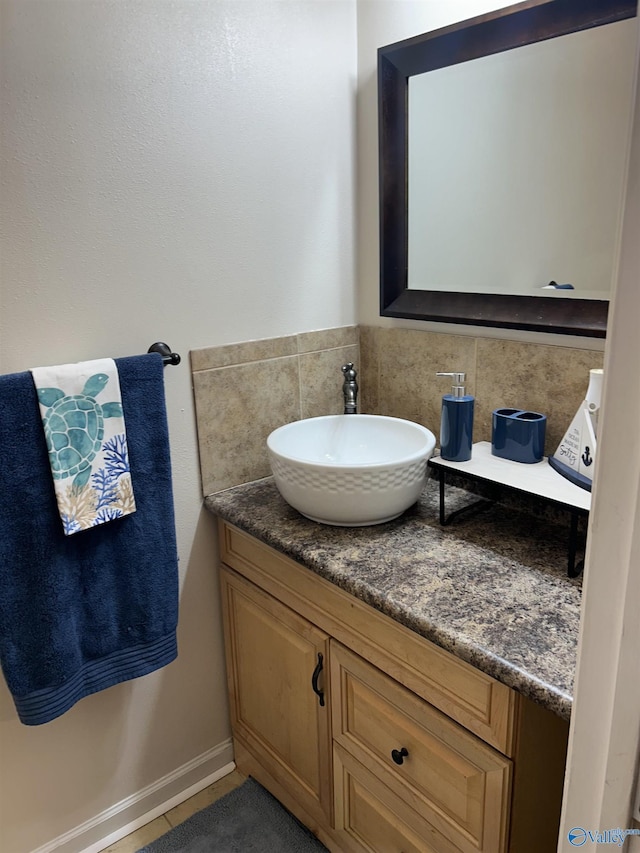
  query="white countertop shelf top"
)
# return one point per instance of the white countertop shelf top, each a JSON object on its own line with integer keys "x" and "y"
{"x": 538, "y": 479}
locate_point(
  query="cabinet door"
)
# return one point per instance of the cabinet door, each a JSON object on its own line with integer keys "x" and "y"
{"x": 277, "y": 669}
{"x": 447, "y": 776}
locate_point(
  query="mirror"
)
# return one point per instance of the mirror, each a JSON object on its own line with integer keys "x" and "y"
{"x": 464, "y": 239}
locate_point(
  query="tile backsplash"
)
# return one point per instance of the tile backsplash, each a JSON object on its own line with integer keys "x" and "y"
{"x": 245, "y": 390}
{"x": 399, "y": 367}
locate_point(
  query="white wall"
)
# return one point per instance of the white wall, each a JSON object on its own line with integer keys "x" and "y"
{"x": 178, "y": 171}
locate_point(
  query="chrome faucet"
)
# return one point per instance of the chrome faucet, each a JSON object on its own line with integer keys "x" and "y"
{"x": 350, "y": 389}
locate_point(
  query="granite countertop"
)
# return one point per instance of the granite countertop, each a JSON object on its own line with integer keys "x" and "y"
{"x": 491, "y": 588}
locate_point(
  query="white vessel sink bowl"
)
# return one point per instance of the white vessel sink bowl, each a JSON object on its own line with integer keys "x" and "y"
{"x": 350, "y": 470}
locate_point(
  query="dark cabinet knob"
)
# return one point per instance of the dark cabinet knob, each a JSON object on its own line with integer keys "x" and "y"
{"x": 399, "y": 755}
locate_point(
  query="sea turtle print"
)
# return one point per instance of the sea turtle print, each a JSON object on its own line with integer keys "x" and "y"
{"x": 74, "y": 428}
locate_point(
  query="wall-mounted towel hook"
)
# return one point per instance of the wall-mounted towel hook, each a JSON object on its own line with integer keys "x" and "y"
{"x": 168, "y": 357}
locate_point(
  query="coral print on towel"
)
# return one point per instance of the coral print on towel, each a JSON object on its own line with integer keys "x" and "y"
{"x": 87, "y": 443}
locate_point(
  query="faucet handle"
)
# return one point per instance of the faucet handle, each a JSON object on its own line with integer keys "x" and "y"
{"x": 349, "y": 389}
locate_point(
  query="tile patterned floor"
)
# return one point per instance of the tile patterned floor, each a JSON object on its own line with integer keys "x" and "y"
{"x": 148, "y": 833}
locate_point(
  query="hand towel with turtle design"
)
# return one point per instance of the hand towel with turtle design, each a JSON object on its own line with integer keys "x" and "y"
{"x": 81, "y": 613}
{"x": 86, "y": 438}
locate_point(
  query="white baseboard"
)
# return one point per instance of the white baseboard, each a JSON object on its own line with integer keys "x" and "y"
{"x": 135, "y": 811}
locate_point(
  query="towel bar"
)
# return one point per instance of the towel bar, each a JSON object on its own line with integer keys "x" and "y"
{"x": 168, "y": 357}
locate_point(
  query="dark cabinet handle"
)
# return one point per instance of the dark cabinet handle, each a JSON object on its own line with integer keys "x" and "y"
{"x": 314, "y": 680}
{"x": 399, "y": 755}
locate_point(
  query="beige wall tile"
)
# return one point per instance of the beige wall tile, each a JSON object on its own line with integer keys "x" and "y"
{"x": 343, "y": 336}
{"x": 236, "y": 409}
{"x": 368, "y": 376}
{"x": 408, "y": 363}
{"x": 243, "y": 391}
{"x": 321, "y": 381}
{"x": 250, "y": 388}
{"x": 210, "y": 357}
{"x": 546, "y": 379}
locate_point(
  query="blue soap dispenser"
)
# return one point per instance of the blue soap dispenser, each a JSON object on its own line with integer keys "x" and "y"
{"x": 456, "y": 427}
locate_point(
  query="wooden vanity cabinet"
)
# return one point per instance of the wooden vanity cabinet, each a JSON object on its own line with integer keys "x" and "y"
{"x": 372, "y": 736}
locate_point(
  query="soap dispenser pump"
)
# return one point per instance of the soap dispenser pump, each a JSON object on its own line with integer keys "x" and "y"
{"x": 456, "y": 427}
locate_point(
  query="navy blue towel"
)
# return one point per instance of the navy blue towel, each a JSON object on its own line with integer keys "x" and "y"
{"x": 81, "y": 613}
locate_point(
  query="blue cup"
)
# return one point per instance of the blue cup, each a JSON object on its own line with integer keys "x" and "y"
{"x": 518, "y": 435}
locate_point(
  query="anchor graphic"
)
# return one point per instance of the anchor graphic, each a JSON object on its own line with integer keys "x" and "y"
{"x": 586, "y": 457}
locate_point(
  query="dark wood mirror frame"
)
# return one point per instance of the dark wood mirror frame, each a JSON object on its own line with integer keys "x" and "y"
{"x": 504, "y": 29}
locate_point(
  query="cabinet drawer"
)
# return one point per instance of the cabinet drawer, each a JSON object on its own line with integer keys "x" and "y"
{"x": 371, "y": 818}
{"x": 475, "y": 700}
{"x": 455, "y": 782}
